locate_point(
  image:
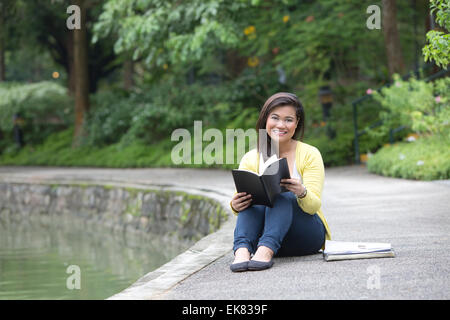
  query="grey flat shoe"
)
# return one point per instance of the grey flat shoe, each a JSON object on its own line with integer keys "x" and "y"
{"x": 259, "y": 265}
{"x": 239, "y": 267}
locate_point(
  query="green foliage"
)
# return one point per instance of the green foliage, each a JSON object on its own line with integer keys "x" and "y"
{"x": 31, "y": 65}
{"x": 423, "y": 107}
{"x": 163, "y": 108}
{"x": 313, "y": 43}
{"x": 218, "y": 61}
{"x": 427, "y": 158}
{"x": 57, "y": 151}
{"x": 336, "y": 152}
{"x": 44, "y": 106}
{"x": 151, "y": 115}
{"x": 170, "y": 30}
{"x": 314, "y": 38}
{"x": 109, "y": 118}
{"x": 438, "y": 47}
{"x": 307, "y": 39}
{"x": 244, "y": 119}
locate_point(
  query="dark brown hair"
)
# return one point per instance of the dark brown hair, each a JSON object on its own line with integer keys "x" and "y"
{"x": 277, "y": 100}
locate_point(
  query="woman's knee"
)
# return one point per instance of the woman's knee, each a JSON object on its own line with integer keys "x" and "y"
{"x": 250, "y": 222}
{"x": 306, "y": 236}
{"x": 251, "y": 214}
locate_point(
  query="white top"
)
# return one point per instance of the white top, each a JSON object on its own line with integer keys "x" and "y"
{"x": 295, "y": 173}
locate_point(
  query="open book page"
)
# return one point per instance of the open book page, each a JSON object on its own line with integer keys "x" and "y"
{"x": 248, "y": 171}
{"x": 343, "y": 247}
{"x": 263, "y": 165}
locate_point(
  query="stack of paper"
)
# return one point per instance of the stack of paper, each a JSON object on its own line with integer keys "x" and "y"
{"x": 342, "y": 250}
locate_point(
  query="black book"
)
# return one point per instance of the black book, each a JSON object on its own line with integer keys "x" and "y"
{"x": 265, "y": 187}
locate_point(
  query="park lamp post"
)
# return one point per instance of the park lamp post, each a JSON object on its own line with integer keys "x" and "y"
{"x": 17, "y": 129}
{"x": 326, "y": 100}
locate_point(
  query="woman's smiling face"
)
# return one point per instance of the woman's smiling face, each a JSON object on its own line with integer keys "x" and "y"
{"x": 281, "y": 123}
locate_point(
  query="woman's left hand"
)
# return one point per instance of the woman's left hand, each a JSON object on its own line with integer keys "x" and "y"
{"x": 294, "y": 185}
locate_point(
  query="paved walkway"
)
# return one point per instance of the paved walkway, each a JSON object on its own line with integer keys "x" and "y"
{"x": 414, "y": 216}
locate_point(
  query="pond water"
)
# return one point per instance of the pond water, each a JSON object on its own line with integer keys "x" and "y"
{"x": 64, "y": 258}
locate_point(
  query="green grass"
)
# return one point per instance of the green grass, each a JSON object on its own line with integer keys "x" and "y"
{"x": 427, "y": 158}
{"x": 57, "y": 151}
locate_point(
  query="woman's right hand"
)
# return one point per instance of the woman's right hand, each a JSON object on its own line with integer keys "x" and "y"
{"x": 241, "y": 201}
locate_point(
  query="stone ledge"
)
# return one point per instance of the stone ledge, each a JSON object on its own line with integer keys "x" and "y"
{"x": 155, "y": 284}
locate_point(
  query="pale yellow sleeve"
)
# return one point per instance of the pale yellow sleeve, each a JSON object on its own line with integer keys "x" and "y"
{"x": 247, "y": 163}
{"x": 313, "y": 179}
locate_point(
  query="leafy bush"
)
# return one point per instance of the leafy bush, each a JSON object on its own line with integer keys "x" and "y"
{"x": 428, "y": 158}
{"x": 336, "y": 152}
{"x": 152, "y": 113}
{"x": 45, "y": 108}
{"x": 423, "y": 107}
{"x": 109, "y": 117}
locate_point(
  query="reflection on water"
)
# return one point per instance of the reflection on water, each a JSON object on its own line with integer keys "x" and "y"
{"x": 35, "y": 255}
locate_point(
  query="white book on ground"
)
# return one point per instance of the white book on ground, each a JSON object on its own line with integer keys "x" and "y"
{"x": 345, "y": 247}
{"x": 343, "y": 250}
{"x": 369, "y": 255}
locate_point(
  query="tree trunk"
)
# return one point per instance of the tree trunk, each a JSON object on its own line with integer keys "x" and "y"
{"x": 70, "y": 62}
{"x": 2, "y": 49}
{"x": 81, "y": 75}
{"x": 394, "y": 55}
{"x": 2, "y": 61}
{"x": 128, "y": 72}
{"x": 235, "y": 63}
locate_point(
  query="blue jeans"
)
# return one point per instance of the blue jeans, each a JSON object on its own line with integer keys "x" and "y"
{"x": 285, "y": 228}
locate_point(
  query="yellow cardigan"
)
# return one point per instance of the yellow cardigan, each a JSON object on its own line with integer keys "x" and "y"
{"x": 310, "y": 165}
